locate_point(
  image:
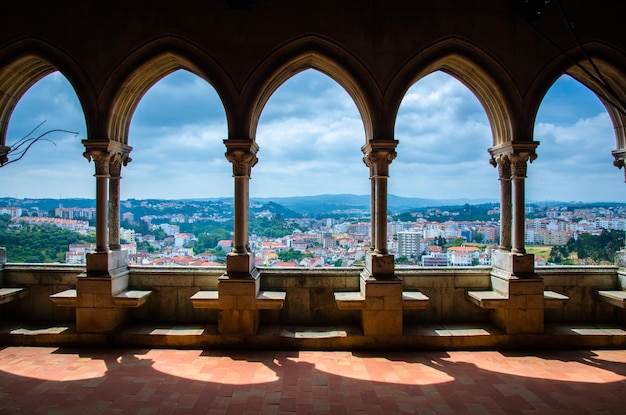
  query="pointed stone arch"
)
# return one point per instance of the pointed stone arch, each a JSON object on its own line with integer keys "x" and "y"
{"x": 309, "y": 52}
{"x": 487, "y": 80}
{"x": 144, "y": 68}
{"x": 599, "y": 68}
{"x": 29, "y": 61}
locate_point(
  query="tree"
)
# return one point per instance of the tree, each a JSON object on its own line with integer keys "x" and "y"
{"x": 479, "y": 237}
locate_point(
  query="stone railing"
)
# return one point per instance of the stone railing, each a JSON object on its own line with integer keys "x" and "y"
{"x": 309, "y": 293}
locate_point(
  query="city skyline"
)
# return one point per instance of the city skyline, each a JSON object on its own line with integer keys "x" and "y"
{"x": 310, "y": 134}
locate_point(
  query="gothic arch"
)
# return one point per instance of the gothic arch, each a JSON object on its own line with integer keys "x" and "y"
{"x": 487, "y": 80}
{"x": 309, "y": 52}
{"x": 29, "y": 61}
{"x": 139, "y": 72}
{"x": 610, "y": 88}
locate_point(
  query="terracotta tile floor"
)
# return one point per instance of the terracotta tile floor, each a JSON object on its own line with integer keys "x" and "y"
{"x": 155, "y": 381}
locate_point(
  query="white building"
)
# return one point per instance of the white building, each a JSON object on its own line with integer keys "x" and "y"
{"x": 409, "y": 244}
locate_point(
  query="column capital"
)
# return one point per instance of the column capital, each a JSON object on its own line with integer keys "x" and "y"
{"x": 518, "y": 149}
{"x": 378, "y": 155}
{"x": 105, "y": 153}
{"x": 511, "y": 158}
{"x": 242, "y": 154}
{"x": 620, "y": 159}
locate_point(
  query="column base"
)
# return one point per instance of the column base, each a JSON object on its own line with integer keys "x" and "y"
{"x": 106, "y": 275}
{"x": 237, "y": 296}
{"x": 382, "y": 310}
{"x": 513, "y": 277}
{"x": 380, "y": 266}
{"x": 241, "y": 265}
{"x": 520, "y": 265}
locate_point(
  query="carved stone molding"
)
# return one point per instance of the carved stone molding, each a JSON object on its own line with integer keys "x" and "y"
{"x": 242, "y": 154}
{"x": 514, "y": 157}
{"x": 378, "y": 156}
{"x": 620, "y": 159}
{"x": 101, "y": 161}
{"x": 118, "y": 160}
{"x": 108, "y": 156}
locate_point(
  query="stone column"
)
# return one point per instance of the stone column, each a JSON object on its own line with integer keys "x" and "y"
{"x": 503, "y": 164}
{"x": 242, "y": 155}
{"x": 518, "y": 176}
{"x": 372, "y": 207}
{"x": 513, "y": 273}
{"x": 115, "y": 170}
{"x": 378, "y": 157}
{"x": 381, "y": 289}
{"x": 101, "y": 158}
{"x": 238, "y": 289}
{"x": 107, "y": 270}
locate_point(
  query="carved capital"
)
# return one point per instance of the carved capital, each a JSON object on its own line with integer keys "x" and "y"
{"x": 516, "y": 154}
{"x": 117, "y": 160}
{"x": 620, "y": 160}
{"x": 100, "y": 159}
{"x": 108, "y": 156}
{"x": 378, "y": 156}
{"x": 242, "y": 162}
{"x": 242, "y": 154}
{"x": 503, "y": 163}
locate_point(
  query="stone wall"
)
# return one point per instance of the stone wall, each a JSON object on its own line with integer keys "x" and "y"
{"x": 310, "y": 293}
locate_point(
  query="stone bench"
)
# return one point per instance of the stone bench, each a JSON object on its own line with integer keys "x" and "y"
{"x": 11, "y": 294}
{"x": 616, "y": 298}
{"x": 265, "y": 300}
{"x": 131, "y": 298}
{"x": 411, "y": 300}
{"x": 493, "y": 299}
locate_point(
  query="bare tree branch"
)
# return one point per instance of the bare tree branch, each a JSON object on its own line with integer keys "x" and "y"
{"x": 21, "y": 146}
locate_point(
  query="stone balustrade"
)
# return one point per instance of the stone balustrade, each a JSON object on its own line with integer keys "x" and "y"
{"x": 309, "y": 299}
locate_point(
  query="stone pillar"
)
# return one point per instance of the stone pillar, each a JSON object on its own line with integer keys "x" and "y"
{"x": 242, "y": 155}
{"x": 513, "y": 272}
{"x": 504, "y": 175}
{"x": 381, "y": 289}
{"x": 115, "y": 170}
{"x": 378, "y": 157}
{"x": 239, "y": 287}
{"x": 518, "y": 176}
{"x": 106, "y": 271}
{"x": 100, "y": 156}
{"x": 372, "y": 207}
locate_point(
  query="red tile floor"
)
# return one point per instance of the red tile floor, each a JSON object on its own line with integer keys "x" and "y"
{"x": 38, "y": 380}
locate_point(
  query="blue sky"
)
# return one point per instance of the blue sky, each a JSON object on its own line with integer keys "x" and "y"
{"x": 310, "y": 135}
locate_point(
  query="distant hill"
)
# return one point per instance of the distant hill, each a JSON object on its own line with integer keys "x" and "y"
{"x": 343, "y": 202}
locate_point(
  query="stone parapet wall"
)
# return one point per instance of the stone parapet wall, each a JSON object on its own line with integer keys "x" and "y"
{"x": 310, "y": 293}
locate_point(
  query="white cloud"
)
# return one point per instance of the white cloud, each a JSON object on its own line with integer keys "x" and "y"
{"x": 310, "y": 137}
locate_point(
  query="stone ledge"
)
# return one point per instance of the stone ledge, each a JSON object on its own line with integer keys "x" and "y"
{"x": 552, "y": 299}
{"x": 616, "y": 298}
{"x": 205, "y": 299}
{"x": 493, "y": 299}
{"x": 67, "y": 298}
{"x": 270, "y": 300}
{"x": 132, "y": 298}
{"x": 350, "y": 300}
{"x": 414, "y": 300}
{"x": 488, "y": 299}
{"x": 411, "y": 300}
{"x": 11, "y": 294}
{"x": 265, "y": 300}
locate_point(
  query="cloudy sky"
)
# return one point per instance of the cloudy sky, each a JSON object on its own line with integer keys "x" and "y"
{"x": 310, "y": 135}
